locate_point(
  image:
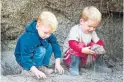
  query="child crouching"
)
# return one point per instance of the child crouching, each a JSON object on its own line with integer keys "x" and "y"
{"x": 82, "y": 44}
{"x": 35, "y": 46}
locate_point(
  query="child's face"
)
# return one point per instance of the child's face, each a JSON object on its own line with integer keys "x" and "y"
{"x": 89, "y": 26}
{"x": 44, "y": 31}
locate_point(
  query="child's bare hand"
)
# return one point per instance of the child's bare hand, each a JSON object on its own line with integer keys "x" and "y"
{"x": 59, "y": 68}
{"x": 38, "y": 73}
{"x": 86, "y": 50}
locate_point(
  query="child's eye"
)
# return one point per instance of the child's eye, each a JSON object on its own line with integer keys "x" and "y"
{"x": 45, "y": 33}
{"x": 91, "y": 27}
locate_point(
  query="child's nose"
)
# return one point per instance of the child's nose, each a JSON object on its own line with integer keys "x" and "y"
{"x": 92, "y": 29}
{"x": 47, "y": 35}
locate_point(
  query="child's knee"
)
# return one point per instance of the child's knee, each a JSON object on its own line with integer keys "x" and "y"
{"x": 40, "y": 51}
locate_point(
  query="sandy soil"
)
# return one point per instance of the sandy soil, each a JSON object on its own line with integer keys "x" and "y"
{"x": 86, "y": 76}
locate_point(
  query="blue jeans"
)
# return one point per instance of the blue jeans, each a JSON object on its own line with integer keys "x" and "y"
{"x": 42, "y": 56}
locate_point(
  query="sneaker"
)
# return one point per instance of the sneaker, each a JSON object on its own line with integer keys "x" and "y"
{"x": 74, "y": 72}
{"x": 74, "y": 66}
{"x": 46, "y": 70}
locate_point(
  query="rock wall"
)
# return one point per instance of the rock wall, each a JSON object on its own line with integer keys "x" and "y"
{"x": 16, "y": 13}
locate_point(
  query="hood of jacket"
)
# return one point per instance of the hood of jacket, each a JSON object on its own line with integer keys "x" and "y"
{"x": 32, "y": 27}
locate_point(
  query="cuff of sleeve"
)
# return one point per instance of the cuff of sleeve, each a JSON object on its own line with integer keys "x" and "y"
{"x": 100, "y": 42}
{"x": 57, "y": 57}
{"x": 27, "y": 67}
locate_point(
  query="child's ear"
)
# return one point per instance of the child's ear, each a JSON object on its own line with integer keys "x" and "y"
{"x": 81, "y": 21}
{"x": 38, "y": 24}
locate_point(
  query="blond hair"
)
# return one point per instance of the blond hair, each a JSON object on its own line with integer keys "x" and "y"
{"x": 91, "y": 13}
{"x": 48, "y": 18}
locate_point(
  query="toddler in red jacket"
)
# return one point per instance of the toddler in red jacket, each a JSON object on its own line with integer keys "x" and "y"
{"x": 82, "y": 44}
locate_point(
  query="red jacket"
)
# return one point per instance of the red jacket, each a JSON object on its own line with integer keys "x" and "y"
{"x": 75, "y": 49}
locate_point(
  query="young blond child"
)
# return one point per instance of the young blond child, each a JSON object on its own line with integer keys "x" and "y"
{"x": 82, "y": 44}
{"x": 35, "y": 46}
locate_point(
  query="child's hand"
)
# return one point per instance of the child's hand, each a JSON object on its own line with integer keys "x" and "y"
{"x": 58, "y": 66}
{"x": 86, "y": 50}
{"x": 38, "y": 73}
{"x": 98, "y": 49}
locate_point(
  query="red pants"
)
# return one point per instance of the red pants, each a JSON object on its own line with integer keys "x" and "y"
{"x": 69, "y": 52}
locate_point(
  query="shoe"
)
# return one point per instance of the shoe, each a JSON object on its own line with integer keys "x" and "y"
{"x": 46, "y": 70}
{"x": 74, "y": 66}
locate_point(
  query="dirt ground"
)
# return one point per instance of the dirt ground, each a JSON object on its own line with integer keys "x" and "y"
{"x": 87, "y": 75}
